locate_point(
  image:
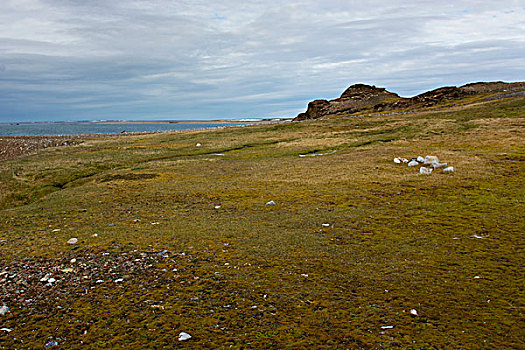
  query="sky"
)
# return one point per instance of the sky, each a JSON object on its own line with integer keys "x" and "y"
{"x": 201, "y": 60}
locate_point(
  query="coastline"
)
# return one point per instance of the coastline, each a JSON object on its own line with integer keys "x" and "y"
{"x": 12, "y": 147}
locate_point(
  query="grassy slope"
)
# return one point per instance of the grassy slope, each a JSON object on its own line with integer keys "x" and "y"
{"x": 397, "y": 240}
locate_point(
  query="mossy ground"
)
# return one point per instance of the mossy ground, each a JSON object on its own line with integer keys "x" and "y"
{"x": 255, "y": 276}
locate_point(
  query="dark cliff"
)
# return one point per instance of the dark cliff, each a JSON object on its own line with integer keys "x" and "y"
{"x": 360, "y": 96}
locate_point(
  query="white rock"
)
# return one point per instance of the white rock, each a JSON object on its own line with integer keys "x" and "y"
{"x": 270, "y": 203}
{"x": 6, "y": 330}
{"x": 119, "y": 280}
{"x": 430, "y": 159}
{"x": 217, "y": 207}
{"x": 420, "y": 159}
{"x": 426, "y": 171}
{"x": 325, "y": 225}
{"x": 413, "y": 163}
{"x": 72, "y": 241}
{"x": 198, "y": 145}
{"x": 397, "y": 160}
{"x": 3, "y": 310}
{"x": 45, "y": 278}
{"x": 73, "y": 260}
{"x": 449, "y": 169}
{"x": 184, "y": 336}
{"x": 404, "y": 160}
{"x": 436, "y": 165}
{"x": 387, "y": 327}
{"x": 51, "y": 280}
{"x": 413, "y": 312}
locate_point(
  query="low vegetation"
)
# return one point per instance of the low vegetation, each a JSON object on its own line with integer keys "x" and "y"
{"x": 178, "y": 238}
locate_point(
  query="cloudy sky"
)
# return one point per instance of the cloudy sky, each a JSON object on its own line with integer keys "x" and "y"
{"x": 182, "y": 59}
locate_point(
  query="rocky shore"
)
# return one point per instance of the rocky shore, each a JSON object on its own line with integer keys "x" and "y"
{"x": 16, "y": 146}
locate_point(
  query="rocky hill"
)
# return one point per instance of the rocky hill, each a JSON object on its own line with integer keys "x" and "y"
{"x": 360, "y": 96}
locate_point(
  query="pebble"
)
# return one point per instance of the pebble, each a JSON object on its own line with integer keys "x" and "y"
{"x": 387, "y": 327}
{"x": 45, "y": 278}
{"x": 413, "y": 163}
{"x": 413, "y": 312}
{"x": 270, "y": 203}
{"x": 184, "y": 336}
{"x": 51, "y": 344}
{"x": 326, "y": 225}
{"x": 72, "y": 241}
{"x": 420, "y": 159}
{"x": 51, "y": 280}
{"x": 73, "y": 260}
{"x": 198, "y": 145}
{"x": 3, "y": 310}
{"x": 6, "y": 329}
{"x": 397, "y": 160}
{"x": 449, "y": 169}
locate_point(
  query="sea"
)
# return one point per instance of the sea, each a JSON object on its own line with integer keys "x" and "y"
{"x": 76, "y": 128}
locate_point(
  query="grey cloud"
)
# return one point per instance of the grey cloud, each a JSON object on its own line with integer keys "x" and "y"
{"x": 136, "y": 59}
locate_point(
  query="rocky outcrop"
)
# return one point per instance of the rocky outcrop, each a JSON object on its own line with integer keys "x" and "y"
{"x": 360, "y": 96}
{"x": 353, "y": 99}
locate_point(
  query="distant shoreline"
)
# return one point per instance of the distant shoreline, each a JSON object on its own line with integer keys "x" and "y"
{"x": 124, "y": 122}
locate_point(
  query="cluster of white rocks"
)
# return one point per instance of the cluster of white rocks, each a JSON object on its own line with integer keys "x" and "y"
{"x": 431, "y": 162}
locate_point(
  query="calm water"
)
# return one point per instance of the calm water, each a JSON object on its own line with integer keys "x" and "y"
{"x": 77, "y": 129}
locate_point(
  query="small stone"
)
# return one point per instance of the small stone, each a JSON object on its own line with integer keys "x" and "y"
{"x": 387, "y": 327}
{"x": 449, "y": 169}
{"x": 426, "y": 171}
{"x": 51, "y": 344}
{"x": 217, "y": 207}
{"x": 430, "y": 160}
{"x": 397, "y": 160}
{"x": 51, "y": 280}
{"x": 45, "y": 278}
{"x": 413, "y": 163}
{"x": 72, "y": 241}
{"x": 413, "y": 312}
{"x": 420, "y": 159}
{"x": 118, "y": 280}
{"x": 3, "y": 310}
{"x": 6, "y": 330}
{"x": 184, "y": 336}
{"x": 404, "y": 160}
{"x": 67, "y": 270}
{"x": 198, "y": 145}
{"x": 73, "y": 260}
{"x": 325, "y": 225}
{"x": 270, "y": 203}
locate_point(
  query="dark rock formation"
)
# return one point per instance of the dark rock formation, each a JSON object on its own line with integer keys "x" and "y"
{"x": 360, "y": 96}
{"x": 353, "y": 99}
